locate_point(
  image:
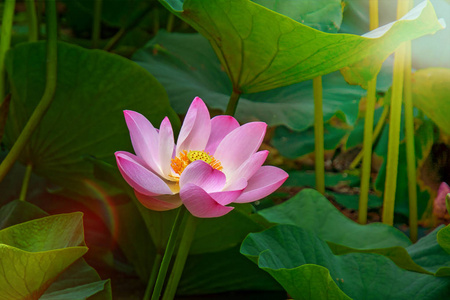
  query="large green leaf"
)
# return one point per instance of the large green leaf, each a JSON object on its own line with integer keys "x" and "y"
{"x": 34, "y": 253}
{"x": 431, "y": 88}
{"x": 311, "y": 210}
{"x": 187, "y": 67}
{"x": 428, "y": 252}
{"x": 291, "y": 52}
{"x": 287, "y": 252}
{"x": 85, "y": 118}
{"x": 17, "y": 211}
{"x": 426, "y": 256}
{"x": 323, "y": 15}
{"x": 79, "y": 281}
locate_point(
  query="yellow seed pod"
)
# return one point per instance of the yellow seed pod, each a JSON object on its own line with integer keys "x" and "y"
{"x": 199, "y": 155}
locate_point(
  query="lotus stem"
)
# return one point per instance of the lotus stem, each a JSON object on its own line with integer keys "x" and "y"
{"x": 170, "y": 22}
{"x": 153, "y": 275}
{"x": 97, "y": 22}
{"x": 5, "y": 41}
{"x": 318, "y": 135}
{"x": 168, "y": 254}
{"x": 367, "y": 151}
{"x": 32, "y": 21}
{"x": 368, "y": 127}
{"x": 376, "y": 133}
{"x": 25, "y": 183}
{"x": 155, "y": 21}
{"x": 410, "y": 149}
{"x": 394, "y": 126}
{"x": 47, "y": 97}
{"x": 373, "y": 14}
{"x": 182, "y": 254}
{"x": 232, "y": 103}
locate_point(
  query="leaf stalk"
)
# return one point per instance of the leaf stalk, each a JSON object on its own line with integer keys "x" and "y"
{"x": 190, "y": 224}
{"x": 5, "y": 41}
{"x": 47, "y": 97}
{"x": 171, "y": 243}
{"x": 318, "y": 135}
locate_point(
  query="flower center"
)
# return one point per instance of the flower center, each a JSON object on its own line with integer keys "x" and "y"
{"x": 183, "y": 159}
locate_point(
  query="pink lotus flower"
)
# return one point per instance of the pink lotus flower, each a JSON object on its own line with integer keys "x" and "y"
{"x": 214, "y": 163}
{"x": 439, "y": 207}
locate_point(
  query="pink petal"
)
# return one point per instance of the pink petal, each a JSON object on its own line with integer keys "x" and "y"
{"x": 248, "y": 168}
{"x": 139, "y": 177}
{"x": 227, "y": 197}
{"x": 239, "y": 145}
{"x": 203, "y": 175}
{"x": 265, "y": 181}
{"x": 237, "y": 184}
{"x": 220, "y": 127}
{"x": 194, "y": 133}
{"x": 159, "y": 203}
{"x": 166, "y": 146}
{"x": 200, "y": 203}
{"x": 144, "y": 138}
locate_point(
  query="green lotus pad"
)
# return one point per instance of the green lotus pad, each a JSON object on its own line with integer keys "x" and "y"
{"x": 293, "y": 256}
{"x": 34, "y": 253}
{"x": 86, "y": 116}
{"x": 292, "y": 52}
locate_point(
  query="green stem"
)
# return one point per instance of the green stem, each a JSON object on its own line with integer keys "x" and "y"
{"x": 47, "y": 97}
{"x": 376, "y": 133}
{"x": 394, "y": 127}
{"x": 155, "y": 20}
{"x": 4, "y": 109}
{"x": 168, "y": 253}
{"x": 170, "y": 22}
{"x": 318, "y": 135}
{"x": 232, "y": 103}
{"x": 97, "y": 22}
{"x": 26, "y": 181}
{"x": 153, "y": 275}
{"x": 373, "y": 14}
{"x": 410, "y": 151}
{"x": 182, "y": 254}
{"x": 32, "y": 21}
{"x": 40, "y": 10}
{"x": 5, "y": 41}
{"x": 367, "y": 151}
{"x": 368, "y": 127}
{"x": 394, "y": 138}
{"x": 115, "y": 39}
